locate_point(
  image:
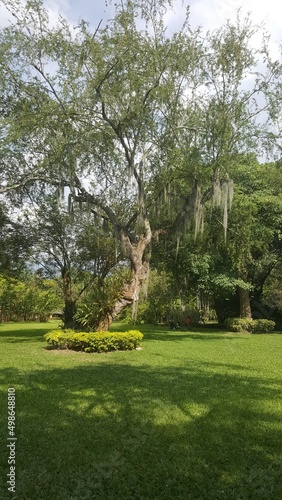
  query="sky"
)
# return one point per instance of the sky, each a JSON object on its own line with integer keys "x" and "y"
{"x": 210, "y": 14}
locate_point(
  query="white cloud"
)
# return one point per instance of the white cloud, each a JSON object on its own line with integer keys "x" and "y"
{"x": 213, "y": 14}
{"x": 5, "y": 16}
{"x": 268, "y": 12}
{"x": 56, "y": 8}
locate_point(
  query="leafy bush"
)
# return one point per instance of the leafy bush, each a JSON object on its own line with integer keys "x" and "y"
{"x": 262, "y": 326}
{"x": 249, "y": 325}
{"x": 94, "y": 341}
{"x": 238, "y": 324}
{"x": 30, "y": 300}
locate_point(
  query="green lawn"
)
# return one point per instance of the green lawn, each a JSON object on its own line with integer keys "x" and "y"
{"x": 194, "y": 415}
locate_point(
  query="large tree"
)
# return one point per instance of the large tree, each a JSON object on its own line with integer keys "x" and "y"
{"x": 69, "y": 247}
{"x": 139, "y": 125}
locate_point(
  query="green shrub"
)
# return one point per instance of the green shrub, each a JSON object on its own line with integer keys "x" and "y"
{"x": 94, "y": 341}
{"x": 262, "y": 326}
{"x": 249, "y": 325}
{"x": 238, "y": 324}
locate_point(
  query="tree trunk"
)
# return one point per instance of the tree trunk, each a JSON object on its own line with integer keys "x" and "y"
{"x": 203, "y": 306}
{"x": 70, "y": 302}
{"x": 206, "y": 311}
{"x": 140, "y": 269}
{"x": 245, "y": 304}
{"x": 69, "y": 312}
{"x": 130, "y": 294}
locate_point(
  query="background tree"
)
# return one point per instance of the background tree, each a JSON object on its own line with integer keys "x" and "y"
{"x": 70, "y": 248}
{"x": 230, "y": 274}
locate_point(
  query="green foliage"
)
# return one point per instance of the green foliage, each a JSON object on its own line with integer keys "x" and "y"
{"x": 69, "y": 247}
{"x": 98, "y": 302}
{"x": 238, "y": 324}
{"x": 15, "y": 244}
{"x": 224, "y": 284}
{"x": 27, "y": 300}
{"x": 162, "y": 301}
{"x": 156, "y": 306}
{"x": 262, "y": 326}
{"x": 94, "y": 342}
{"x": 250, "y": 325}
{"x": 180, "y": 316}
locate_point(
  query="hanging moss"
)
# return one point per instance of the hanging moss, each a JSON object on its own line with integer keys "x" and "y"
{"x": 145, "y": 284}
{"x": 88, "y": 206}
{"x": 203, "y": 220}
{"x": 231, "y": 192}
{"x": 225, "y": 191}
{"x": 62, "y": 191}
{"x": 69, "y": 203}
{"x": 105, "y": 225}
{"x": 71, "y": 213}
{"x": 135, "y": 306}
{"x": 177, "y": 244}
{"x": 198, "y": 211}
{"x": 117, "y": 245}
{"x": 223, "y": 196}
{"x": 165, "y": 194}
{"x": 217, "y": 192}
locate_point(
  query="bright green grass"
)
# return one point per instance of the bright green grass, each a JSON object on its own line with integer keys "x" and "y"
{"x": 194, "y": 415}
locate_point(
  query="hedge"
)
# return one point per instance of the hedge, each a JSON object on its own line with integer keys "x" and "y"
{"x": 250, "y": 325}
{"x": 94, "y": 341}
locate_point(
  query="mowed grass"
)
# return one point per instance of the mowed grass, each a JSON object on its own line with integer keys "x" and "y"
{"x": 194, "y": 415}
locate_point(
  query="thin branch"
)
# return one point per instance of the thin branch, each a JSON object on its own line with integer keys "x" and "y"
{"x": 50, "y": 85}
{"x": 29, "y": 179}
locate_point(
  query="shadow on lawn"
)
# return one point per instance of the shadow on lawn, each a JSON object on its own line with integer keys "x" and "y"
{"x": 179, "y": 335}
{"x": 116, "y": 431}
{"x": 17, "y": 336}
{"x": 25, "y": 334}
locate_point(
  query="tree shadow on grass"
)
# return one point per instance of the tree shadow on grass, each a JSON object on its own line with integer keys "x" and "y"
{"x": 25, "y": 334}
{"x": 116, "y": 431}
{"x": 16, "y": 336}
{"x": 190, "y": 335}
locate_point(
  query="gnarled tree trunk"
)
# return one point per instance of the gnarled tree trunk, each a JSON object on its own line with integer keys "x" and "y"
{"x": 140, "y": 269}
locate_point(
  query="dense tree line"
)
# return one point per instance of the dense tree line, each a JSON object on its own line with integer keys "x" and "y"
{"x": 130, "y": 145}
{"x": 236, "y": 276}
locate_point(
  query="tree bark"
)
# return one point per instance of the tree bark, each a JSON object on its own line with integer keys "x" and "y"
{"x": 69, "y": 300}
{"x": 140, "y": 269}
{"x": 245, "y": 304}
{"x": 69, "y": 312}
{"x": 130, "y": 294}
